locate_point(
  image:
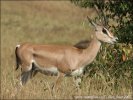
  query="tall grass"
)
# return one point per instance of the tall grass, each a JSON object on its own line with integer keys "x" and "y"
{"x": 50, "y": 22}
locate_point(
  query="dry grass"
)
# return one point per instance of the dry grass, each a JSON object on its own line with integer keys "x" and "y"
{"x": 45, "y": 22}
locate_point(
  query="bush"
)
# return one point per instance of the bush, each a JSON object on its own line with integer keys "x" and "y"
{"x": 120, "y": 12}
{"x": 113, "y": 61}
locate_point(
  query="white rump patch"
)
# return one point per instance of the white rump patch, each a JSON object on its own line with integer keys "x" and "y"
{"x": 18, "y": 46}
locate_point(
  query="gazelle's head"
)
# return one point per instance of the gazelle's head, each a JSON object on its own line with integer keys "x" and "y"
{"x": 102, "y": 33}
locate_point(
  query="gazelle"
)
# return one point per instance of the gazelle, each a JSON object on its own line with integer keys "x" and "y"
{"x": 60, "y": 60}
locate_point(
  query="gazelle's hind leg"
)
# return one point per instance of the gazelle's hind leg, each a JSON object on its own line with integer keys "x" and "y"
{"x": 28, "y": 70}
{"x": 34, "y": 70}
{"x": 25, "y": 76}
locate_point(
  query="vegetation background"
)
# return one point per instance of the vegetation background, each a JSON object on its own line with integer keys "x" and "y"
{"x": 60, "y": 22}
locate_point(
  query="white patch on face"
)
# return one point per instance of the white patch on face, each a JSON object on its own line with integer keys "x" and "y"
{"x": 108, "y": 33}
{"x": 77, "y": 72}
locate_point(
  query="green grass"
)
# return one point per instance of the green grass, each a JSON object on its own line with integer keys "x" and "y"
{"x": 47, "y": 22}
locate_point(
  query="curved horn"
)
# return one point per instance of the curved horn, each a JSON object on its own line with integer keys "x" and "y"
{"x": 101, "y": 14}
{"x": 91, "y": 22}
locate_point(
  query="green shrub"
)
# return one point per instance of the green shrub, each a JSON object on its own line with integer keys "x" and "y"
{"x": 113, "y": 61}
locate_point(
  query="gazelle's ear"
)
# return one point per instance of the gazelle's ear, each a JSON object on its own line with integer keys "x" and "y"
{"x": 91, "y": 22}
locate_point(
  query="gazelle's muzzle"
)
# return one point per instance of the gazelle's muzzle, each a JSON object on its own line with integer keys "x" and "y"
{"x": 113, "y": 39}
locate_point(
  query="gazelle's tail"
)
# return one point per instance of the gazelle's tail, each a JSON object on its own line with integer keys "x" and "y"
{"x": 17, "y": 58}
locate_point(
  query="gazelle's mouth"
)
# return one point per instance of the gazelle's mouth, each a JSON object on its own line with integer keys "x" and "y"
{"x": 114, "y": 40}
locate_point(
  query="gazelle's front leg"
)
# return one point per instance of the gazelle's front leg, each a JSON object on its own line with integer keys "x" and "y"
{"x": 77, "y": 80}
{"x": 57, "y": 83}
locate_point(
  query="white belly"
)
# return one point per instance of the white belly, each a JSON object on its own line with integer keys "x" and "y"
{"x": 49, "y": 71}
{"x": 53, "y": 70}
{"x": 77, "y": 72}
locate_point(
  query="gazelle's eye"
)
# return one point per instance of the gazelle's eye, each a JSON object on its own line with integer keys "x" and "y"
{"x": 104, "y": 31}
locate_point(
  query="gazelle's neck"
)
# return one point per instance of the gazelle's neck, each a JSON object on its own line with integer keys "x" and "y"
{"x": 90, "y": 53}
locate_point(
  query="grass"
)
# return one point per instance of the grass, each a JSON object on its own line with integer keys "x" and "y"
{"x": 47, "y": 22}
